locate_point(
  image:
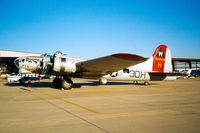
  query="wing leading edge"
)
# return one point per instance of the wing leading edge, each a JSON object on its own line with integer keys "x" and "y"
{"x": 108, "y": 64}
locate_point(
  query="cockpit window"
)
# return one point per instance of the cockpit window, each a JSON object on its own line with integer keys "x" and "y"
{"x": 63, "y": 59}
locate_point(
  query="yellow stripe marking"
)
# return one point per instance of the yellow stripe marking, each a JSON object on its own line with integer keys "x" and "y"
{"x": 70, "y": 103}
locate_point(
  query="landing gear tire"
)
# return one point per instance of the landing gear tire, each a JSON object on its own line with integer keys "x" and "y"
{"x": 103, "y": 81}
{"x": 22, "y": 82}
{"x": 146, "y": 83}
{"x": 57, "y": 83}
{"x": 66, "y": 84}
{"x": 53, "y": 85}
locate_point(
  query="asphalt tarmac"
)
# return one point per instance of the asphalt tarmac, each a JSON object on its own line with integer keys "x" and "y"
{"x": 119, "y": 107}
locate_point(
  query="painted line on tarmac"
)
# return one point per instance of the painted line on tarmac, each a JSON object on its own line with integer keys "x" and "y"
{"x": 77, "y": 105}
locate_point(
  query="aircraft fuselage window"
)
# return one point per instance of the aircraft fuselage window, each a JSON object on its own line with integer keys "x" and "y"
{"x": 126, "y": 70}
{"x": 63, "y": 59}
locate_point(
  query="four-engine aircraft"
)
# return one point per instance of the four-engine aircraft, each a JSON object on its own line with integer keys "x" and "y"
{"x": 116, "y": 67}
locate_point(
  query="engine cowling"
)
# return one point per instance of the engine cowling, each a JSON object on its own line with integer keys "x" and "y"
{"x": 63, "y": 64}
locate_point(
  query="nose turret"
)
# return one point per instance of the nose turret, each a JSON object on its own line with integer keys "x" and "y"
{"x": 16, "y": 62}
{"x": 19, "y": 62}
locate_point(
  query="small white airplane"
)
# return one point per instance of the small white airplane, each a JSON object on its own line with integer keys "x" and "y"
{"x": 24, "y": 76}
{"x": 116, "y": 67}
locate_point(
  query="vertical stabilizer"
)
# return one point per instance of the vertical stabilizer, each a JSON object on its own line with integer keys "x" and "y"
{"x": 160, "y": 61}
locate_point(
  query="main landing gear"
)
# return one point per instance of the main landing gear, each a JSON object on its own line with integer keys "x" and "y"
{"x": 65, "y": 83}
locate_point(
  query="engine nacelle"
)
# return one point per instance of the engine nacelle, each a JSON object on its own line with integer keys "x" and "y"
{"x": 63, "y": 64}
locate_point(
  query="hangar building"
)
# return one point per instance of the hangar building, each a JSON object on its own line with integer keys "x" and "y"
{"x": 7, "y": 58}
{"x": 185, "y": 64}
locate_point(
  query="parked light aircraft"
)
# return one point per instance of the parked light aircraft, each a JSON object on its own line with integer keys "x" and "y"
{"x": 121, "y": 66}
{"x": 24, "y": 76}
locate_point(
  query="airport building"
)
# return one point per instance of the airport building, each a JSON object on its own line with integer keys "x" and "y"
{"x": 7, "y": 58}
{"x": 185, "y": 63}
{"x": 180, "y": 64}
{"x": 7, "y": 62}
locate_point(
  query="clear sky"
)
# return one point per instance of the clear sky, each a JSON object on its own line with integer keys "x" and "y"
{"x": 94, "y": 28}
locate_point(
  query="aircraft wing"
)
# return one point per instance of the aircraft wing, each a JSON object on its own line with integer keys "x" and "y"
{"x": 108, "y": 64}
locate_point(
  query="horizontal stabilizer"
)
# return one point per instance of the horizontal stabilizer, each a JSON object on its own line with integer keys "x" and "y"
{"x": 167, "y": 74}
{"x": 158, "y": 76}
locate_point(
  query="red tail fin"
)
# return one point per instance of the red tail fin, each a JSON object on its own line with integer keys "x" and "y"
{"x": 159, "y": 58}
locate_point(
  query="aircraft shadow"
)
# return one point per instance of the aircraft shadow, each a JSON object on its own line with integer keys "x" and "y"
{"x": 96, "y": 83}
{"x": 76, "y": 85}
{"x": 35, "y": 84}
